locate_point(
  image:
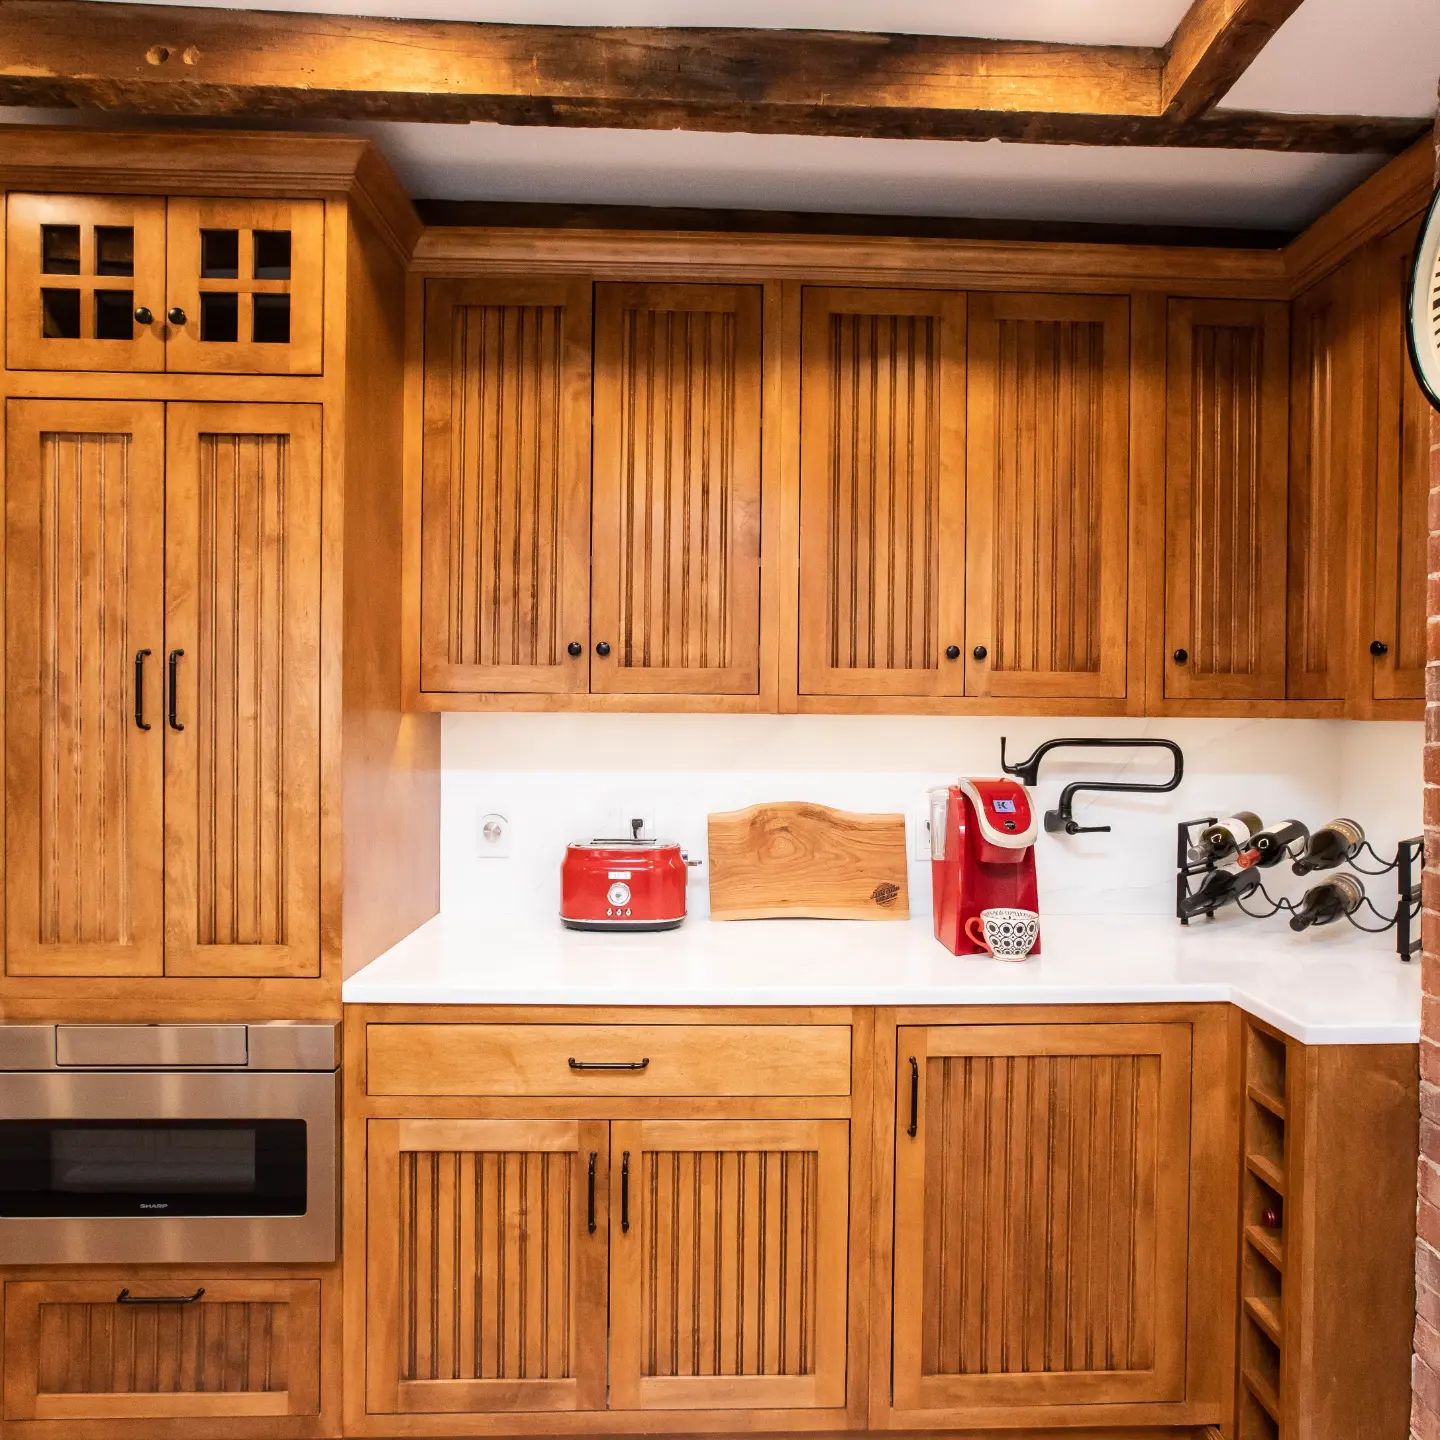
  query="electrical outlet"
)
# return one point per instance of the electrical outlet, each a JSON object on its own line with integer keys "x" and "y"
{"x": 494, "y": 837}
{"x": 917, "y": 831}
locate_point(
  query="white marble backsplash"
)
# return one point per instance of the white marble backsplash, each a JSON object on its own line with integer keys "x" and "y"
{"x": 557, "y": 778}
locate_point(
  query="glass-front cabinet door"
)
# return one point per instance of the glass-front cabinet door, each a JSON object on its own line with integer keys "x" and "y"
{"x": 244, "y": 286}
{"x": 86, "y": 282}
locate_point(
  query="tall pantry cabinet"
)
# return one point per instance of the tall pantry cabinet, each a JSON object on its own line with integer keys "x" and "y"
{"x": 197, "y": 479}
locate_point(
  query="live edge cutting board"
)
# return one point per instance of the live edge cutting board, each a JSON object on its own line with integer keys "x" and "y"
{"x": 793, "y": 861}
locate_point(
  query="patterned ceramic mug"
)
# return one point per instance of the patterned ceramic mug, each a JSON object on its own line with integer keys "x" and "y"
{"x": 1007, "y": 934}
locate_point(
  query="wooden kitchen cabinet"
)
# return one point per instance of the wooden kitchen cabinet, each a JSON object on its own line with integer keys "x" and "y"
{"x": 1394, "y": 659}
{"x": 1047, "y": 496}
{"x": 882, "y": 493}
{"x": 729, "y": 1252}
{"x": 675, "y": 543}
{"x": 162, "y": 687}
{"x": 1227, "y": 393}
{"x": 505, "y": 503}
{"x": 84, "y": 646}
{"x": 87, "y": 1353}
{"x": 486, "y": 1250}
{"x": 102, "y": 283}
{"x": 242, "y": 646}
{"x": 1042, "y": 1174}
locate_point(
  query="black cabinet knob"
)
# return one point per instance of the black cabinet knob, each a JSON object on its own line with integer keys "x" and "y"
{"x": 575, "y": 647}
{"x": 1379, "y": 647}
{"x": 952, "y": 652}
{"x": 979, "y": 652}
{"x": 175, "y": 315}
{"x": 144, "y": 315}
{"x": 1180, "y": 656}
{"x": 603, "y": 648}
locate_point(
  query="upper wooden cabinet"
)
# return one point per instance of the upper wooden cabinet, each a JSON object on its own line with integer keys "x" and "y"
{"x": 882, "y": 493}
{"x": 162, "y": 756}
{"x": 139, "y": 283}
{"x": 1402, "y": 491}
{"x": 675, "y": 559}
{"x": 505, "y": 503}
{"x": 1227, "y": 384}
{"x": 1041, "y": 1224}
{"x": 84, "y": 641}
{"x": 1047, "y": 487}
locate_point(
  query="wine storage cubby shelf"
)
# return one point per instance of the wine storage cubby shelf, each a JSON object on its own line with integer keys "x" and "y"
{"x": 1262, "y": 1262}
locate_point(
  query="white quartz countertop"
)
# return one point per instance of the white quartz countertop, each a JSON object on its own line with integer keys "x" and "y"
{"x": 1328, "y": 986}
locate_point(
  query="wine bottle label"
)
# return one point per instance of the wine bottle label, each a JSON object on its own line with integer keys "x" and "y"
{"x": 1350, "y": 832}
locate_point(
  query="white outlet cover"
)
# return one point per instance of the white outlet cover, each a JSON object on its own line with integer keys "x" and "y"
{"x": 917, "y": 828}
{"x": 493, "y": 837}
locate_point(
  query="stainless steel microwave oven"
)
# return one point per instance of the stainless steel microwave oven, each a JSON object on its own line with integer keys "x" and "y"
{"x": 132, "y": 1143}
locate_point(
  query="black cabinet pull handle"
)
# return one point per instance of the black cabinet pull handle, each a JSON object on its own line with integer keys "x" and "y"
{"x": 590, "y": 1199}
{"x": 144, "y": 315}
{"x": 625, "y": 1192}
{"x": 574, "y": 648}
{"x": 914, "y": 1125}
{"x": 609, "y": 1064}
{"x": 174, "y": 663}
{"x": 126, "y": 1298}
{"x": 1180, "y": 656}
{"x": 1378, "y": 648}
{"x": 952, "y": 652}
{"x": 140, "y": 722}
{"x": 979, "y": 652}
{"x": 176, "y": 316}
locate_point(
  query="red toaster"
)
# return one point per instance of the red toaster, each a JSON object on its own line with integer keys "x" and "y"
{"x": 623, "y": 885}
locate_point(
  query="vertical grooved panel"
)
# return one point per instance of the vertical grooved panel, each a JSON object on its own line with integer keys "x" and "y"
{"x": 486, "y": 1265}
{"x": 1036, "y": 1169}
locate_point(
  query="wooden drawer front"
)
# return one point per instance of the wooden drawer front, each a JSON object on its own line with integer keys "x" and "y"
{"x": 535, "y": 1059}
{"x": 244, "y": 1348}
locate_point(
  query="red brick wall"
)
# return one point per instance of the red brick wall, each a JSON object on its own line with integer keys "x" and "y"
{"x": 1425, "y": 1417}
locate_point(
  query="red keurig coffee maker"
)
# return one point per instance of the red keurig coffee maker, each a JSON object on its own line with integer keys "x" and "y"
{"x": 982, "y": 855}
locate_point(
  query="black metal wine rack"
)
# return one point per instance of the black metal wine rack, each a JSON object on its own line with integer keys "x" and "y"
{"x": 1407, "y": 867}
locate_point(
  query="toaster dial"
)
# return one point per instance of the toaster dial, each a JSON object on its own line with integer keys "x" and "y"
{"x": 618, "y": 893}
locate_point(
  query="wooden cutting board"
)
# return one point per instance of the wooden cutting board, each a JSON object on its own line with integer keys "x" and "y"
{"x": 796, "y": 860}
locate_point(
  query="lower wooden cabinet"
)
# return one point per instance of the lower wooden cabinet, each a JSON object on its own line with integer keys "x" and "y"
{"x": 513, "y": 1264}
{"x": 81, "y": 1353}
{"x": 1041, "y": 1225}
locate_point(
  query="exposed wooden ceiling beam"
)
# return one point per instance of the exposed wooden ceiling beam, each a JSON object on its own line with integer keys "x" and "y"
{"x": 156, "y": 60}
{"x": 1212, "y": 47}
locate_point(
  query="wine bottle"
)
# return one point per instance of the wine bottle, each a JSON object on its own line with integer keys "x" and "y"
{"x": 1221, "y": 887}
{"x": 1224, "y": 838}
{"x": 1328, "y": 901}
{"x": 1269, "y": 847}
{"x": 1330, "y": 846}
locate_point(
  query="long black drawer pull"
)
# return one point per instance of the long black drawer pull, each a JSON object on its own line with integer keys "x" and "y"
{"x": 140, "y": 721}
{"x": 625, "y": 1192}
{"x": 590, "y": 1205}
{"x": 914, "y": 1098}
{"x": 174, "y": 666}
{"x": 609, "y": 1064}
{"x": 126, "y": 1298}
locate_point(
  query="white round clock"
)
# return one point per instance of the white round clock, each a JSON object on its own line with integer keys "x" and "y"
{"x": 1423, "y": 329}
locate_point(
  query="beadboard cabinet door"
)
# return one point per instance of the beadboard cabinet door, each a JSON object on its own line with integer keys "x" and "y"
{"x": 729, "y": 1249}
{"x": 1227, "y": 384}
{"x": 242, "y": 654}
{"x": 1047, "y": 486}
{"x": 1041, "y": 1218}
{"x": 86, "y": 282}
{"x": 84, "y": 741}
{"x": 1402, "y": 490}
{"x": 505, "y": 495}
{"x": 882, "y": 492}
{"x": 486, "y": 1256}
{"x": 675, "y": 566}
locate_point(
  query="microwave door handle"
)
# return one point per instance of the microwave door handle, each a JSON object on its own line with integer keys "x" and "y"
{"x": 126, "y": 1298}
